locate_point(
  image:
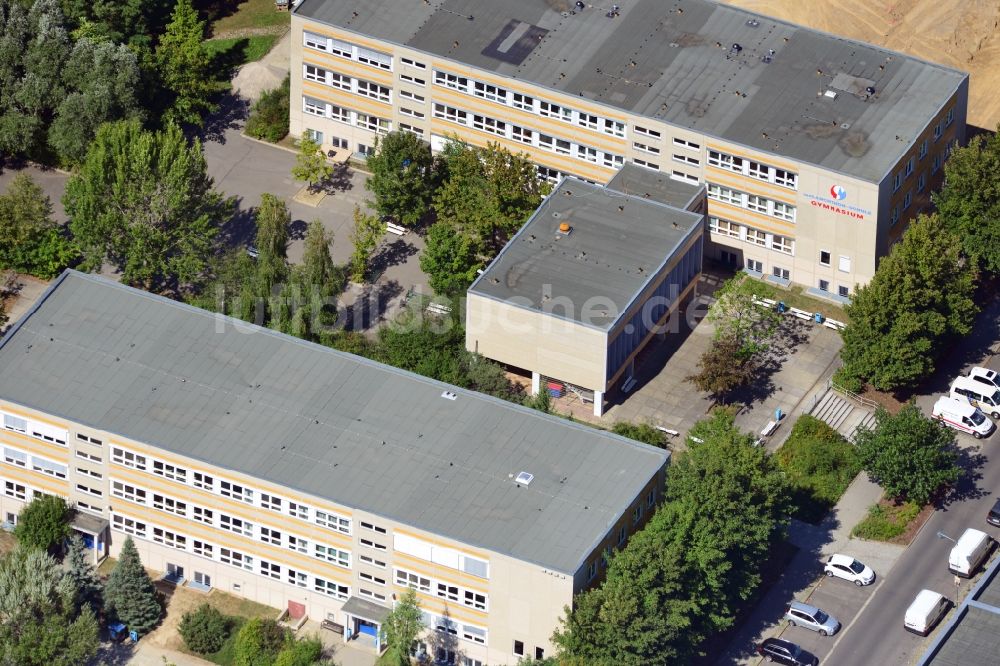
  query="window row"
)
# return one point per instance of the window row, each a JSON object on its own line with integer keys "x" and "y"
{"x": 339, "y": 47}
{"x": 343, "y": 82}
{"x": 758, "y": 170}
{"x": 442, "y": 555}
{"x": 36, "y": 463}
{"x": 234, "y": 558}
{"x": 316, "y": 107}
{"x": 753, "y": 202}
{"x": 442, "y": 589}
{"x": 528, "y": 103}
{"x": 742, "y": 232}
{"x": 446, "y": 625}
{"x": 527, "y": 136}
{"x": 328, "y": 519}
{"x": 34, "y": 429}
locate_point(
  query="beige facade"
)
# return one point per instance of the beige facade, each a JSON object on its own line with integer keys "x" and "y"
{"x": 789, "y": 220}
{"x": 271, "y": 544}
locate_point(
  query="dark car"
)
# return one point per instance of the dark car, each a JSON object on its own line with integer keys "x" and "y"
{"x": 785, "y": 652}
{"x": 993, "y": 517}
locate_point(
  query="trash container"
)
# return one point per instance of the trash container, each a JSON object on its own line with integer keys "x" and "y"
{"x": 782, "y": 307}
{"x": 818, "y": 318}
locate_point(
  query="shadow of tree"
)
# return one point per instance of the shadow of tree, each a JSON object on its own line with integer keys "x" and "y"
{"x": 971, "y": 461}
{"x": 297, "y": 229}
{"x": 391, "y": 254}
{"x": 240, "y": 228}
{"x": 231, "y": 115}
{"x": 339, "y": 181}
{"x": 791, "y": 333}
{"x": 369, "y": 308}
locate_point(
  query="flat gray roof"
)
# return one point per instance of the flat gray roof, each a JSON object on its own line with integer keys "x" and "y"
{"x": 336, "y": 426}
{"x": 649, "y": 184}
{"x": 972, "y": 637}
{"x": 673, "y": 60}
{"x": 617, "y": 244}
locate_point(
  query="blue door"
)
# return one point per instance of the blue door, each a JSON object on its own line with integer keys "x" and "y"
{"x": 88, "y": 541}
{"x": 367, "y": 628}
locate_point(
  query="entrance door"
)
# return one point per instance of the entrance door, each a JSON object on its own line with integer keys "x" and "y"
{"x": 202, "y": 579}
{"x": 729, "y": 258}
{"x": 367, "y": 628}
{"x": 174, "y": 572}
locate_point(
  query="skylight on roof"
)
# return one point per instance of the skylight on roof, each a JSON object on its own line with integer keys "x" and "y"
{"x": 524, "y": 478}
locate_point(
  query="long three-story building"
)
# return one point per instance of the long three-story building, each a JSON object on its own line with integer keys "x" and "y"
{"x": 308, "y": 479}
{"x": 815, "y": 149}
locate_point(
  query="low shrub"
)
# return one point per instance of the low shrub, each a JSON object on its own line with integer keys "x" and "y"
{"x": 641, "y": 432}
{"x": 205, "y": 630}
{"x": 847, "y": 380}
{"x": 269, "y": 118}
{"x": 820, "y": 465}
{"x": 885, "y": 523}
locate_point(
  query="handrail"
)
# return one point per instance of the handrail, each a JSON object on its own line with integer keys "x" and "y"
{"x": 864, "y": 402}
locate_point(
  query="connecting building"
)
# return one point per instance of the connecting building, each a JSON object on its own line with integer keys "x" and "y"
{"x": 588, "y": 281}
{"x": 815, "y": 150}
{"x": 308, "y": 479}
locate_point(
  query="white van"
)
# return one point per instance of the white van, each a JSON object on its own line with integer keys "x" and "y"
{"x": 925, "y": 612}
{"x": 983, "y": 396}
{"x": 960, "y": 415}
{"x": 969, "y": 552}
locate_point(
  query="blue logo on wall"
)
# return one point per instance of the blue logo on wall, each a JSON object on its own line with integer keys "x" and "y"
{"x": 838, "y": 193}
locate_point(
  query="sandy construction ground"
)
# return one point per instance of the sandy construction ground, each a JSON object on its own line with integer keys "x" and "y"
{"x": 959, "y": 33}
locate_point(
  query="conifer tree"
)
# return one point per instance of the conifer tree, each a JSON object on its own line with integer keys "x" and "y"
{"x": 129, "y": 596}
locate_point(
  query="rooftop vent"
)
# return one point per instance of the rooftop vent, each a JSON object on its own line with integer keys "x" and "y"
{"x": 832, "y": 94}
{"x": 579, "y": 4}
{"x": 613, "y": 12}
{"x": 870, "y": 90}
{"x": 753, "y": 23}
{"x": 524, "y": 478}
{"x": 449, "y": 395}
{"x": 564, "y": 229}
{"x": 735, "y": 48}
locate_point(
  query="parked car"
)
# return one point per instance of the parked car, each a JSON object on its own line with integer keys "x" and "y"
{"x": 969, "y": 552}
{"x": 785, "y": 652}
{"x": 925, "y": 612}
{"x": 960, "y": 415}
{"x": 810, "y": 617}
{"x": 993, "y": 517}
{"x": 986, "y": 376}
{"x": 982, "y": 395}
{"x": 848, "y": 568}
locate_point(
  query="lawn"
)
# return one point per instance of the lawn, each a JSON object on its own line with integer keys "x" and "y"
{"x": 820, "y": 465}
{"x": 236, "y": 51}
{"x": 249, "y": 15}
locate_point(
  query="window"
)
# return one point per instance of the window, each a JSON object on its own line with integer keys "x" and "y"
{"x": 341, "y": 115}
{"x": 922, "y": 182}
{"x": 474, "y": 634}
{"x": 236, "y": 559}
{"x": 48, "y": 434}
{"x": 15, "y": 490}
{"x": 203, "y": 481}
{"x": 270, "y": 502}
{"x": 690, "y": 145}
{"x": 371, "y": 595}
{"x": 783, "y": 211}
{"x": 539, "y": 653}
{"x": 950, "y": 117}
{"x": 413, "y": 580}
{"x": 333, "y": 555}
{"x": 758, "y": 170}
{"x": 519, "y": 648}
{"x": 724, "y": 194}
{"x": 89, "y": 472}
{"x": 645, "y": 163}
{"x": 314, "y": 107}
{"x": 845, "y": 264}
{"x": 271, "y": 536}
{"x": 786, "y": 178}
{"x": 236, "y": 491}
{"x": 614, "y": 127}
{"x": 338, "y": 142}
{"x": 270, "y": 569}
{"x": 333, "y": 522}
{"x": 844, "y": 291}
{"x": 90, "y": 491}
{"x": 297, "y": 578}
{"x": 622, "y": 534}
{"x": 490, "y": 92}
{"x": 341, "y": 48}
{"x": 824, "y": 285}
{"x": 474, "y": 599}
{"x": 452, "y": 81}
{"x": 782, "y": 244}
{"x": 297, "y": 510}
{"x": 587, "y": 120}
{"x": 589, "y": 154}
{"x": 15, "y": 423}
{"x": 128, "y": 459}
{"x": 523, "y": 102}
{"x": 368, "y": 559}
{"x": 373, "y": 528}
{"x": 592, "y": 570}
{"x": 298, "y": 544}
{"x": 374, "y": 58}
{"x": 314, "y": 41}
{"x": 168, "y": 538}
{"x": 129, "y": 525}
{"x": 85, "y": 438}
{"x": 756, "y": 203}
{"x": 169, "y": 505}
{"x": 237, "y": 525}
{"x": 651, "y": 499}
{"x": 202, "y": 548}
{"x": 335, "y": 590}
{"x": 15, "y": 457}
{"x": 907, "y": 199}
{"x": 522, "y": 134}
{"x": 313, "y": 73}
{"x": 937, "y": 131}
{"x": 645, "y": 131}
{"x": 475, "y": 566}
{"x": 413, "y": 63}
{"x": 88, "y": 456}
{"x": 636, "y": 515}
{"x": 451, "y": 113}
{"x": 128, "y": 492}
{"x": 894, "y": 216}
{"x": 406, "y": 94}
{"x": 686, "y": 159}
{"x": 202, "y": 515}
{"x": 755, "y": 266}
{"x": 562, "y": 147}
{"x": 551, "y": 110}
{"x": 372, "y": 544}
{"x": 645, "y": 148}
{"x": 781, "y": 273}
{"x": 83, "y": 506}
{"x": 824, "y": 257}
{"x": 923, "y": 149}
{"x": 723, "y": 227}
{"x": 373, "y": 90}
{"x": 909, "y": 167}
{"x": 371, "y": 578}
{"x": 725, "y": 161}
{"x": 169, "y": 471}
{"x": 490, "y": 125}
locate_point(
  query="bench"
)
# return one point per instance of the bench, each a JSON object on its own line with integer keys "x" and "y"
{"x": 769, "y": 429}
{"x": 332, "y": 626}
{"x": 629, "y": 384}
{"x": 438, "y": 309}
{"x": 394, "y": 228}
{"x": 668, "y": 431}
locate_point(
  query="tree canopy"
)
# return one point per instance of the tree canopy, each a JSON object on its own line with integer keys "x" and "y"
{"x": 44, "y": 524}
{"x": 311, "y": 166}
{"x": 402, "y": 175}
{"x": 920, "y": 297}
{"x": 129, "y": 596}
{"x": 30, "y": 240}
{"x": 144, "y": 202}
{"x": 908, "y": 454}
{"x": 186, "y": 68}
{"x": 450, "y": 259}
{"x": 401, "y": 628}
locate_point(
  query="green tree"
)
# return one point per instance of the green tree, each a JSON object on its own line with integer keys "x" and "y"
{"x": 401, "y": 627}
{"x": 640, "y": 432}
{"x": 41, "y": 624}
{"x": 306, "y": 651}
{"x": 920, "y": 297}
{"x": 272, "y": 219}
{"x": 30, "y": 240}
{"x": 316, "y": 260}
{"x": 908, "y": 454}
{"x": 185, "y": 67}
{"x": 44, "y": 524}
{"x": 269, "y": 117}
{"x": 820, "y": 465}
{"x": 450, "y": 260}
{"x": 81, "y": 571}
{"x": 129, "y": 596}
{"x": 488, "y": 193}
{"x": 144, "y": 202}
{"x": 724, "y": 367}
{"x": 258, "y": 643}
{"x": 311, "y": 166}
{"x": 367, "y": 231}
{"x": 969, "y": 201}
{"x": 402, "y": 177}
{"x": 205, "y": 629}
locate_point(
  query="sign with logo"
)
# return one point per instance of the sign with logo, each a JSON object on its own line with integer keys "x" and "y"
{"x": 837, "y": 203}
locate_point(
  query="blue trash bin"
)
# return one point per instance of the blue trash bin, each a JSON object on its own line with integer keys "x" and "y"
{"x": 782, "y": 307}
{"x": 818, "y": 318}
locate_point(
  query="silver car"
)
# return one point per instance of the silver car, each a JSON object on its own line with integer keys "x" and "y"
{"x": 810, "y": 617}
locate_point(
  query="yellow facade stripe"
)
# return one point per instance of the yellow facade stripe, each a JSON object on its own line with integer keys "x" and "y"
{"x": 36, "y": 479}
{"x": 348, "y": 100}
{"x": 563, "y": 130}
{"x": 242, "y": 510}
{"x": 431, "y": 570}
{"x": 730, "y": 179}
{"x": 750, "y": 217}
{"x": 43, "y": 448}
{"x": 348, "y": 67}
{"x": 765, "y": 158}
{"x": 245, "y": 545}
{"x": 451, "y": 608}
{"x": 25, "y": 415}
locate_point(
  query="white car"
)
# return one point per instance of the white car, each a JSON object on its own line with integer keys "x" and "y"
{"x": 848, "y": 568}
{"x": 986, "y": 376}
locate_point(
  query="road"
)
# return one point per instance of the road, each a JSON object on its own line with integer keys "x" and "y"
{"x": 877, "y": 636}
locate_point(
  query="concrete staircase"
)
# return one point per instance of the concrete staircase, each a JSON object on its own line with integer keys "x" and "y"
{"x": 842, "y": 414}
